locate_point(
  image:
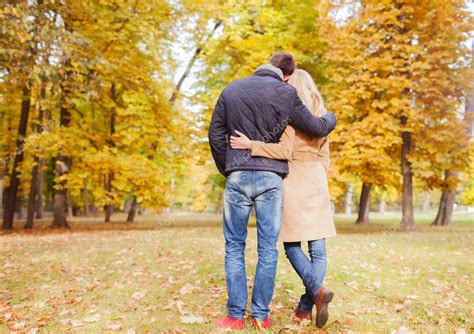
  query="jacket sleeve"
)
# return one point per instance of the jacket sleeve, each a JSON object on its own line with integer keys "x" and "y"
{"x": 314, "y": 126}
{"x": 218, "y": 135}
{"x": 324, "y": 154}
{"x": 283, "y": 150}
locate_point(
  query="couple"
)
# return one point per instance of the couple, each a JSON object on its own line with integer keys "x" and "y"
{"x": 255, "y": 148}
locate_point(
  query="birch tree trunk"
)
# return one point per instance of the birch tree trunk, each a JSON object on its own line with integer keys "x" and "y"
{"x": 348, "y": 200}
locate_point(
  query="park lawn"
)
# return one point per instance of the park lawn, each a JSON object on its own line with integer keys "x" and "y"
{"x": 154, "y": 277}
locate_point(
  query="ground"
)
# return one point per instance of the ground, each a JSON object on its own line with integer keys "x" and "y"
{"x": 165, "y": 275}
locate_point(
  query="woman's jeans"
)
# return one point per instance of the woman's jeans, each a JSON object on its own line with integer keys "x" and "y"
{"x": 245, "y": 190}
{"x": 312, "y": 271}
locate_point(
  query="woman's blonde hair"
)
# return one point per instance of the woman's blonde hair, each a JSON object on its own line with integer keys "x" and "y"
{"x": 307, "y": 91}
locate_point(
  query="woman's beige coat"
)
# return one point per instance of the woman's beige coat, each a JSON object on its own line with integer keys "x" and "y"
{"x": 307, "y": 212}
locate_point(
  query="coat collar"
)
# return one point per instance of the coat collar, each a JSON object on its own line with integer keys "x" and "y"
{"x": 269, "y": 70}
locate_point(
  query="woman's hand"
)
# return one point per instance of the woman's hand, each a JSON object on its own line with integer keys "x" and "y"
{"x": 240, "y": 143}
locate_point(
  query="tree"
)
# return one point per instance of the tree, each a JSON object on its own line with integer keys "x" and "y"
{"x": 361, "y": 89}
{"x": 385, "y": 89}
{"x": 107, "y": 92}
{"x": 440, "y": 145}
{"x": 20, "y": 39}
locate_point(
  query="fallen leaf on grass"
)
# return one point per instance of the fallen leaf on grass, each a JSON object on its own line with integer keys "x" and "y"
{"x": 19, "y": 325}
{"x": 77, "y": 323}
{"x": 8, "y": 316}
{"x": 192, "y": 319}
{"x": 112, "y": 326}
{"x": 187, "y": 288}
{"x": 66, "y": 312}
{"x": 179, "y": 306}
{"x": 94, "y": 318}
{"x": 293, "y": 328}
{"x": 305, "y": 322}
{"x": 399, "y": 307}
{"x": 278, "y": 306}
{"x": 138, "y": 295}
{"x": 401, "y": 330}
{"x": 353, "y": 285}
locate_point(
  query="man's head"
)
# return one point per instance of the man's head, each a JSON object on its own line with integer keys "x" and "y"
{"x": 285, "y": 62}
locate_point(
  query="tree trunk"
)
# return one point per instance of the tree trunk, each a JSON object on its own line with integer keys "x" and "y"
{"x": 39, "y": 191}
{"x": 439, "y": 216}
{"x": 60, "y": 195}
{"x": 70, "y": 210}
{"x": 63, "y": 162}
{"x": 445, "y": 209}
{"x": 86, "y": 199}
{"x": 59, "y": 204}
{"x": 426, "y": 203}
{"x": 1, "y": 191}
{"x": 408, "y": 221}
{"x": 32, "y": 204}
{"x": 94, "y": 211}
{"x": 133, "y": 211}
{"x": 32, "y": 195}
{"x": 446, "y": 203}
{"x": 191, "y": 62}
{"x": 383, "y": 205}
{"x": 19, "y": 207}
{"x": 364, "y": 203}
{"x": 348, "y": 200}
{"x": 109, "y": 207}
{"x": 172, "y": 195}
{"x": 219, "y": 204}
{"x": 126, "y": 205}
{"x": 12, "y": 191}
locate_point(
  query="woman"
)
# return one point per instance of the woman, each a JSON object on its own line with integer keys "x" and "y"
{"x": 307, "y": 212}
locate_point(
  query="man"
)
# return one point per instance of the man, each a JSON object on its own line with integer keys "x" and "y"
{"x": 260, "y": 106}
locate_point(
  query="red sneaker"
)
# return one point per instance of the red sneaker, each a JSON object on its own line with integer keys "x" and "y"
{"x": 230, "y": 323}
{"x": 262, "y": 324}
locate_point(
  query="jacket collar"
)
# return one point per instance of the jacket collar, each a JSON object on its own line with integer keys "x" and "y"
{"x": 270, "y": 70}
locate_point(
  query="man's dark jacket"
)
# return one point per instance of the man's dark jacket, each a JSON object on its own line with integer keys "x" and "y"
{"x": 260, "y": 106}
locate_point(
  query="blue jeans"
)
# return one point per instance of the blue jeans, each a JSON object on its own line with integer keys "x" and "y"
{"x": 245, "y": 189}
{"x": 312, "y": 271}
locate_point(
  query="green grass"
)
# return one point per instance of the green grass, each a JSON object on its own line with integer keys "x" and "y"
{"x": 146, "y": 276}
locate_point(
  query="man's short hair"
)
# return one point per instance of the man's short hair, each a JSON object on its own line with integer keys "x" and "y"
{"x": 284, "y": 61}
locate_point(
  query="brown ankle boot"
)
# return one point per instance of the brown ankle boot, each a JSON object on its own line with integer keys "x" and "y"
{"x": 322, "y": 298}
